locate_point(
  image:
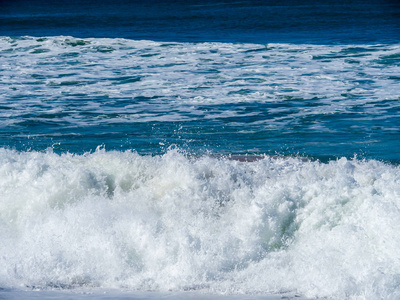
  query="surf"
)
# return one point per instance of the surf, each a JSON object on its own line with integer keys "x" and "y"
{"x": 174, "y": 222}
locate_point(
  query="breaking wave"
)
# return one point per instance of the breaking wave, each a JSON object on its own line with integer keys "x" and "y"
{"x": 111, "y": 219}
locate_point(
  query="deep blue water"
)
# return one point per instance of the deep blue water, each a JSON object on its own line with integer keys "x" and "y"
{"x": 291, "y": 21}
{"x": 341, "y": 115}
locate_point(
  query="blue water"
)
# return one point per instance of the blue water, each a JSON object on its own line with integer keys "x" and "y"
{"x": 218, "y": 147}
{"x": 353, "y": 42}
{"x": 254, "y": 21}
{"x": 297, "y": 113}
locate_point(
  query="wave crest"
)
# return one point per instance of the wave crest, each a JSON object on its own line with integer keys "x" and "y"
{"x": 172, "y": 222}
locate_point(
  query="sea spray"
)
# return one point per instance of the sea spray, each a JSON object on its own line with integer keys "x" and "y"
{"x": 111, "y": 219}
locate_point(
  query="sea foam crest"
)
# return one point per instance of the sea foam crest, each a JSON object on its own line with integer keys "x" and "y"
{"x": 118, "y": 219}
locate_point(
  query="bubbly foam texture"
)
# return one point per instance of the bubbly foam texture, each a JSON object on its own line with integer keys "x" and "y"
{"x": 121, "y": 220}
{"x": 65, "y": 77}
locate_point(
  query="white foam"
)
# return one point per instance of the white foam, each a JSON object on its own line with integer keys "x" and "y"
{"x": 121, "y": 220}
{"x": 45, "y": 73}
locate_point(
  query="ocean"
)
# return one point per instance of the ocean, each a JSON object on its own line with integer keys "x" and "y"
{"x": 199, "y": 149}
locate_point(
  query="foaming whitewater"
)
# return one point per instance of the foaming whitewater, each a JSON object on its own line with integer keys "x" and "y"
{"x": 172, "y": 222}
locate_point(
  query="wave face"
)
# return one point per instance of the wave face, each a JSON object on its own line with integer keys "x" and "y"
{"x": 114, "y": 219}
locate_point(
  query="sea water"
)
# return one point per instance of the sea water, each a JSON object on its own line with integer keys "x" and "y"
{"x": 324, "y": 101}
{"x": 187, "y": 149}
